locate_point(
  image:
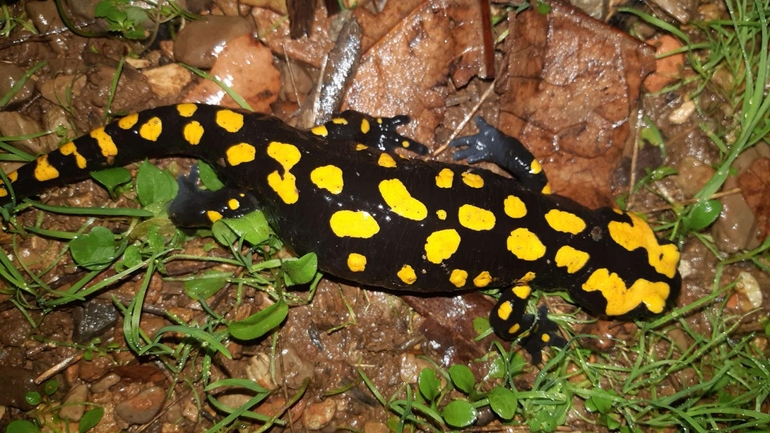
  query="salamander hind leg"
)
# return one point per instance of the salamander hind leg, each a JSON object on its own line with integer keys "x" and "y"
{"x": 379, "y": 132}
{"x": 196, "y": 207}
{"x": 490, "y": 144}
{"x": 510, "y": 321}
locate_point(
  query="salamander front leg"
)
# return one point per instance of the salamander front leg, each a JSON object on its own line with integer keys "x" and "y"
{"x": 196, "y": 207}
{"x": 510, "y": 321}
{"x": 490, "y": 144}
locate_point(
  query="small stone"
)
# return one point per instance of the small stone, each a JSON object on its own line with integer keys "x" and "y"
{"x": 10, "y": 75}
{"x": 143, "y": 407}
{"x": 13, "y": 124}
{"x": 318, "y": 415}
{"x": 375, "y": 427}
{"x": 748, "y": 286}
{"x": 258, "y": 370}
{"x": 683, "y": 113}
{"x": 168, "y": 80}
{"x": 74, "y": 406}
{"x": 92, "y": 320}
{"x": 14, "y": 384}
{"x": 200, "y": 52}
{"x": 668, "y": 68}
{"x": 105, "y": 383}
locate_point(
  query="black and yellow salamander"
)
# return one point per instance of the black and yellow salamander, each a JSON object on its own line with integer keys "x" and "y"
{"x": 378, "y": 219}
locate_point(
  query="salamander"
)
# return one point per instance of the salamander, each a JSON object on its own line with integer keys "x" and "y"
{"x": 379, "y": 219}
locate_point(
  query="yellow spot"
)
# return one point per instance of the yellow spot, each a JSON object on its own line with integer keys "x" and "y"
{"x": 504, "y": 310}
{"x": 105, "y": 142}
{"x": 379, "y": 120}
{"x": 444, "y": 178}
{"x": 401, "y": 202}
{"x": 514, "y": 329}
{"x": 193, "y": 132}
{"x": 570, "y": 258}
{"x": 529, "y": 276}
{"x": 286, "y": 154}
{"x": 514, "y": 207}
{"x": 128, "y": 122}
{"x": 475, "y": 218}
{"x": 525, "y": 245}
{"x": 356, "y": 262}
{"x": 360, "y": 147}
{"x": 233, "y": 204}
{"x": 546, "y": 189}
{"x": 186, "y": 110}
{"x": 473, "y": 180}
{"x": 441, "y": 244}
{"x": 441, "y": 214}
{"x": 405, "y": 144}
{"x": 12, "y": 176}
{"x": 151, "y": 129}
{"x": 621, "y": 300}
{"x": 229, "y": 120}
{"x": 71, "y": 149}
{"x": 328, "y": 177}
{"x": 320, "y": 130}
{"x": 386, "y": 161}
{"x": 565, "y": 222}
{"x": 482, "y": 280}
{"x": 213, "y": 215}
{"x": 522, "y": 292}
{"x": 285, "y": 187}
{"x": 458, "y": 277}
{"x": 340, "y": 121}
{"x": 364, "y": 126}
{"x": 545, "y": 338}
{"x": 407, "y": 275}
{"x": 535, "y": 167}
{"x": 353, "y": 224}
{"x": 44, "y": 170}
{"x": 664, "y": 258}
{"x": 240, "y": 153}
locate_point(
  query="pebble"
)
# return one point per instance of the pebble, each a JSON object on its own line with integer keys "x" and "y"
{"x": 9, "y": 77}
{"x": 63, "y": 87}
{"x": 45, "y": 18}
{"x": 682, "y": 113}
{"x": 14, "y": 384}
{"x": 168, "y": 80}
{"x": 668, "y": 69}
{"x": 318, "y": 415}
{"x": 105, "y": 383}
{"x": 680, "y": 10}
{"x": 13, "y": 124}
{"x": 74, "y": 406}
{"x": 748, "y": 286}
{"x": 143, "y": 407}
{"x": 92, "y": 320}
{"x": 375, "y": 427}
{"x": 248, "y": 65}
{"x": 202, "y": 52}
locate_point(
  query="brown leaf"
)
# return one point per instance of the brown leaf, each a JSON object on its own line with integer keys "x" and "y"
{"x": 448, "y": 324}
{"x": 274, "y": 32}
{"x": 569, "y": 86}
{"x": 755, "y": 188}
{"x": 410, "y": 48}
{"x": 248, "y": 66}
